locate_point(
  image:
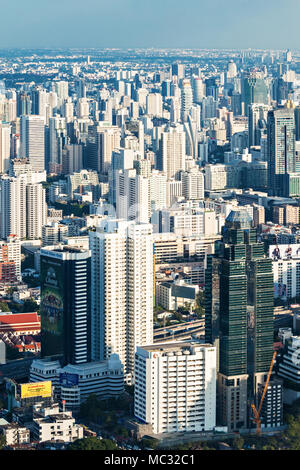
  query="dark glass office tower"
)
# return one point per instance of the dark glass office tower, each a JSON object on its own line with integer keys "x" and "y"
{"x": 297, "y": 122}
{"x": 66, "y": 304}
{"x": 23, "y": 103}
{"x": 254, "y": 90}
{"x": 281, "y": 150}
{"x": 239, "y": 317}
{"x": 257, "y": 123}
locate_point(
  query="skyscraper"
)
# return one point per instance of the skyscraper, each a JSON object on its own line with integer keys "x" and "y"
{"x": 297, "y": 122}
{"x": 5, "y": 130}
{"x": 171, "y": 158}
{"x": 257, "y": 123}
{"x": 24, "y": 104}
{"x": 175, "y": 387}
{"x": 33, "y": 141}
{"x": 186, "y": 99}
{"x": 198, "y": 89}
{"x": 254, "y": 90}
{"x": 154, "y": 104}
{"x": 281, "y": 150}
{"x": 36, "y": 210}
{"x": 65, "y": 303}
{"x": 193, "y": 184}
{"x": 122, "y": 290}
{"x": 231, "y": 69}
{"x": 239, "y": 317}
{"x": 13, "y": 206}
{"x": 178, "y": 70}
{"x": 40, "y": 102}
{"x": 102, "y": 140}
{"x": 132, "y": 196}
{"x": 57, "y": 141}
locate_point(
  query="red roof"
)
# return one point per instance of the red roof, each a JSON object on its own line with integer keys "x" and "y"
{"x": 20, "y": 321}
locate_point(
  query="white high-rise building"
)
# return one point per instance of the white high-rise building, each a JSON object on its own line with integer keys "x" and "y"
{"x": 189, "y": 222}
{"x": 53, "y": 233}
{"x": 132, "y": 196}
{"x": 193, "y": 184}
{"x": 174, "y": 191}
{"x": 154, "y": 104}
{"x": 13, "y": 206}
{"x": 175, "y": 387}
{"x": 20, "y": 166}
{"x": 158, "y": 190}
{"x": 209, "y": 107}
{"x": 122, "y": 159}
{"x": 172, "y": 152}
{"x": 62, "y": 91}
{"x": 215, "y": 177}
{"x": 36, "y": 210}
{"x": 4, "y": 147}
{"x": 231, "y": 69}
{"x": 141, "y": 136}
{"x": 68, "y": 110}
{"x": 186, "y": 99}
{"x": 82, "y": 108}
{"x": 104, "y": 139}
{"x": 33, "y": 140}
{"x": 52, "y": 104}
{"x": 142, "y": 97}
{"x": 122, "y": 289}
{"x": 198, "y": 89}
{"x": 23, "y": 207}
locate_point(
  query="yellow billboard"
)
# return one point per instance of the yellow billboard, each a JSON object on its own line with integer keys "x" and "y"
{"x": 36, "y": 389}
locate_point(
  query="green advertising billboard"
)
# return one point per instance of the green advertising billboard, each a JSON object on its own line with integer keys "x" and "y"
{"x": 52, "y": 306}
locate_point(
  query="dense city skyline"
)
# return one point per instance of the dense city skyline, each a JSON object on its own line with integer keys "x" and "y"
{"x": 150, "y": 227}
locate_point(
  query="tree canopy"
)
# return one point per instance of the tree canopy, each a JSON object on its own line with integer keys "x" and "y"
{"x": 92, "y": 443}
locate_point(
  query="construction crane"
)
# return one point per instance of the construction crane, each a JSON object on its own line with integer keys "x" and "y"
{"x": 254, "y": 412}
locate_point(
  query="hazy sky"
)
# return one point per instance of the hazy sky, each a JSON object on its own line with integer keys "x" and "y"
{"x": 273, "y": 24}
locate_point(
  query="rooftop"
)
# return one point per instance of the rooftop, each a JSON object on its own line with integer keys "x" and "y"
{"x": 176, "y": 346}
{"x": 238, "y": 219}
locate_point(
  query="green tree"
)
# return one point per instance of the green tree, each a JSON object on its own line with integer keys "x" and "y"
{"x": 293, "y": 433}
{"x": 2, "y": 441}
{"x": 30, "y": 306}
{"x": 122, "y": 431}
{"x": 12, "y": 353}
{"x": 90, "y": 409}
{"x": 178, "y": 315}
{"x": 238, "y": 443}
{"x": 152, "y": 443}
{"x": 4, "y": 307}
{"x": 92, "y": 443}
{"x": 200, "y": 303}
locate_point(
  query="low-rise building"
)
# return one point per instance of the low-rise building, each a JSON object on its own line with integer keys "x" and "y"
{"x": 15, "y": 434}
{"x": 20, "y": 323}
{"x": 272, "y": 407}
{"x": 59, "y": 426}
{"x": 289, "y": 370}
{"x": 74, "y": 383}
{"x": 171, "y": 296}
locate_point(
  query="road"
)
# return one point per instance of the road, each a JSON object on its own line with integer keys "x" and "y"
{"x": 181, "y": 331}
